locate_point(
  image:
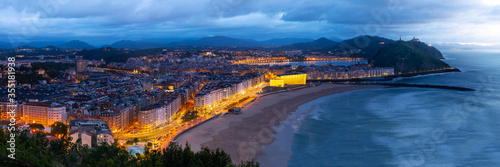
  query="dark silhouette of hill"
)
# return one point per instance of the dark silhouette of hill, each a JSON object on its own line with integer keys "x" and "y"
{"x": 127, "y": 44}
{"x": 428, "y": 49}
{"x": 75, "y": 44}
{"x": 406, "y": 57}
{"x": 362, "y": 46}
{"x": 313, "y": 45}
{"x": 217, "y": 41}
{"x": 284, "y": 41}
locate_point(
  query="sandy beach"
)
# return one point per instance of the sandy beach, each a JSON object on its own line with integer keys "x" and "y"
{"x": 243, "y": 136}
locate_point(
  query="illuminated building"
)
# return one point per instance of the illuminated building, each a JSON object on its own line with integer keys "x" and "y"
{"x": 4, "y": 109}
{"x": 214, "y": 94}
{"x": 277, "y": 82}
{"x": 349, "y": 73}
{"x": 86, "y": 138}
{"x": 289, "y": 79}
{"x": 151, "y": 117}
{"x": 45, "y": 113}
{"x": 171, "y": 107}
{"x": 104, "y": 137}
{"x": 415, "y": 39}
{"x": 90, "y": 132}
{"x": 81, "y": 68}
{"x": 81, "y": 65}
{"x": 118, "y": 119}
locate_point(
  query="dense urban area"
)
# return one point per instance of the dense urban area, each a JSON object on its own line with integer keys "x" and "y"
{"x": 140, "y": 100}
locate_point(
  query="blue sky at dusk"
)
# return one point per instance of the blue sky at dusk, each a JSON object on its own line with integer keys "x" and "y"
{"x": 101, "y": 22}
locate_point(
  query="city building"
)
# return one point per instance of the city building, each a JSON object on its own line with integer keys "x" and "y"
{"x": 45, "y": 113}
{"x": 289, "y": 79}
{"x": 151, "y": 117}
{"x": 90, "y": 132}
{"x": 81, "y": 65}
{"x": 118, "y": 119}
{"x": 85, "y": 138}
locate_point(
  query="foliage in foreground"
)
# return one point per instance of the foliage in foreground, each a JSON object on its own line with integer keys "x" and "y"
{"x": 37, "y": 150}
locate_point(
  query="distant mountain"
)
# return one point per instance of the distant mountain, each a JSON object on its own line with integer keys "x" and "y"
{"x": 217, "y": 41}
{"x": 165, "y": 40}
{"x": 25, "y": 47}
{"x": 284, "y": 41}
{"x": 406, "y": 57}
{"x": 362, "y": 46}
{"x": 75, "y": 44}
{"x": 127, "y": 44}
{"x": 456, "y": 46}
{"x": 42, "y": 44}
{"x": 5, "y": 45}
{"x": 313, "y": 45}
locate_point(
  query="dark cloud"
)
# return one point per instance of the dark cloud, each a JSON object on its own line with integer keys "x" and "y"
{"x": 104, "y": 21}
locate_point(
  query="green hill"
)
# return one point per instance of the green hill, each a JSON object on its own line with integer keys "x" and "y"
{"x": 364, "y": 46}
{"x": 406, "y": 57}
{"x": 428, "y": 49}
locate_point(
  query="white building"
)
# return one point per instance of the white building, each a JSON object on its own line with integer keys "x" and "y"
{"x": 151, "y": 117}
{"x": 104, "y": 137}
{"x": 85, "y": 137}
{"x": 171, "y": 107}
{"x": 90, "y": 132}
{"x": 45, "y": 113}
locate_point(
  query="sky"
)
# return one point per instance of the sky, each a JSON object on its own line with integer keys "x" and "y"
{"x": 100, "y": 22}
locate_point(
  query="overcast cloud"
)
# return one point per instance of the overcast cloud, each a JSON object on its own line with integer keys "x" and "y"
{"x": 104, "y": 21}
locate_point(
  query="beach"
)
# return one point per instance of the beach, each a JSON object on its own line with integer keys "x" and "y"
{"x": 243, "y": 136}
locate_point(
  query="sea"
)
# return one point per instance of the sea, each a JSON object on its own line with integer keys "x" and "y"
{"x": 402, "y": 126}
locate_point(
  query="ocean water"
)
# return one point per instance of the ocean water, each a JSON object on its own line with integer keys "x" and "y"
{"x": 408, "y": 126}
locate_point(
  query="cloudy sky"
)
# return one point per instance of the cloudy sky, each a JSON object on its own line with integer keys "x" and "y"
{"x": 101, "y": 22}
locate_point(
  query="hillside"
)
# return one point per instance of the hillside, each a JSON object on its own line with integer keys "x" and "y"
{"x": 284, "y": 41}
{"x": 75, "y": 44}
{"x": 313, "y": 45}
{"x": 127, "y": 44}
{"x": 428, "y": 49}
{"x": 362, "y": 46}
{"x": 5, "y": 45}
{"x": 217, "y": 41}
{"x": 406, "y": 57}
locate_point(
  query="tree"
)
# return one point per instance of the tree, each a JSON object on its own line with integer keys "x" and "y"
{"x": 213, "y": 158}
{"x": 37, "y": 127}
{"x": 59, "y": 128}
{"x": 37, "y": 150}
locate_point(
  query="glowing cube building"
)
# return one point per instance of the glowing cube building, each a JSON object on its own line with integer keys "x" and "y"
{"x": 289, "y": 79}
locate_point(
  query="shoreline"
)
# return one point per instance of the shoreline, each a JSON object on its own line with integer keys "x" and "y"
{"x": 279, "y": 152}
{"x": 385, "y": 78}
{"x": 244, "y": 136}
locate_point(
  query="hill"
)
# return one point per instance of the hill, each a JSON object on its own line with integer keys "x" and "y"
{"x": 406, "y": 57}
{"x": 127, "y": 44}
{"x": 217, "y": 41}
{"x": 428, "y": 49}
{"x": 75, "y": 44}
{"x": 313, "y": 45}
{"x": 284, "y": 41}
{"x": 108, "y": 54}
{"x": 42, "y": 44}
{"x": 362, "y": 46}
{"x": 5, "y": 45}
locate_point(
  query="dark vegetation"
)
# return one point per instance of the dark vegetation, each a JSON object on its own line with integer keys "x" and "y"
{"x": 37, "y": 150}
{"x": 405, "y": 57}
